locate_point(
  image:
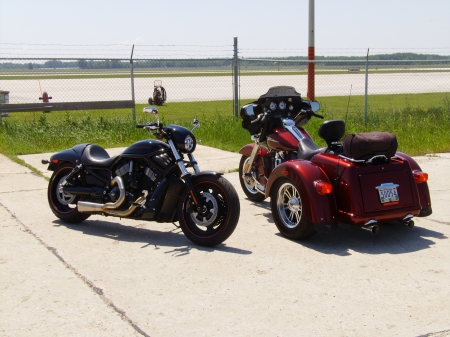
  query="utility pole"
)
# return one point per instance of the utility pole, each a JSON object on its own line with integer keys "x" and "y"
{"x": 311, "y": 53}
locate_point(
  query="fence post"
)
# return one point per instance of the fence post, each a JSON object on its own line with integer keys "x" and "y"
{"x": 235, "y": 80}
{"x": 133, "y": 110}
{"x": 366, "y": 87}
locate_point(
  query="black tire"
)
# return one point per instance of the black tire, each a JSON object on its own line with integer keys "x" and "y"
{"x": 248, "y": 183}
{"x": 150, "y": 101}
{"x": 287, "y": 211}
{"x": 221, "y": 218}
{"x": 64, "y": 205}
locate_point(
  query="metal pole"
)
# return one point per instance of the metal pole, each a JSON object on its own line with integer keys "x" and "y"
{"x": 132, "y": 84}
{"x": 366, "y": 87}
{"x": 235, "y": 79}
{"x": 311, "y": 53}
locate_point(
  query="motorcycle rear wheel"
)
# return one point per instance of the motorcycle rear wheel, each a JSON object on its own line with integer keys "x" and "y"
{"x": 219, "y": 220}
{"x": 287, "y": 210}
{"x": 248, "y": 183}
{"x": 64, "y": 205}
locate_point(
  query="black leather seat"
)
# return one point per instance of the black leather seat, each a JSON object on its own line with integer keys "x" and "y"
{"x": 97, "y": 156}
{"x": 308, "y": 149}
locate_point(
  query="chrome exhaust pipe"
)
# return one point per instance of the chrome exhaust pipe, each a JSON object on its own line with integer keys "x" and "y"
{"x": 130, "y": 210}
{"x": 372, "y": 226}
{"x": 84, "y": 206}
{"x": 407, "y": 220}
{"x": 410, "y": 224}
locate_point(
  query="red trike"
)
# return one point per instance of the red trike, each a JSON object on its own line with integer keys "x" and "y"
{"x": 360, "y": 181}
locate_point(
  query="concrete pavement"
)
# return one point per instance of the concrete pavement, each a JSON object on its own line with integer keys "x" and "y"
{"x": 119, "y": 277}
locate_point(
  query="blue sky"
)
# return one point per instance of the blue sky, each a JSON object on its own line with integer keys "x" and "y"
{"x": 263, "y": 27}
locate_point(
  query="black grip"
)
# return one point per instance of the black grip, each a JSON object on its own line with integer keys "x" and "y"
{"x": 140, "y": 126}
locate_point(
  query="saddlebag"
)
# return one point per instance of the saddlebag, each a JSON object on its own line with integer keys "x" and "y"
{"x": 365, "y": 145}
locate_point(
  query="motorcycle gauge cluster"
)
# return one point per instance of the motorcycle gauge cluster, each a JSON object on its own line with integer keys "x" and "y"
{"x": 282, "y": 105}
{"x": 273, "y": 106}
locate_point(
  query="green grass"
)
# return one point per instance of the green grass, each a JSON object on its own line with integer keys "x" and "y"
{"x": 421, "y": 123}
{"x": 190, "y": 73}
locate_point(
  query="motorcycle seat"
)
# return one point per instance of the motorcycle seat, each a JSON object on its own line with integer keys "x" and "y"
{"x": 308, "y": 149}
{"x": 97, "y": 156}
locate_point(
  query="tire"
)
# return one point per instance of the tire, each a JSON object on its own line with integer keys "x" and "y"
{"x": 64, "y": 205}
{"x": 150, "y": 101}
{"x": 248, "y": 183}
{"x": 287, "y": 211}
{"x": 221, "y": 218}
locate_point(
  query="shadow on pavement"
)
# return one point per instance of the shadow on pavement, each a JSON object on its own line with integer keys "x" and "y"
{"x": 150, "y": 237}
{"x": 394, "y": 238}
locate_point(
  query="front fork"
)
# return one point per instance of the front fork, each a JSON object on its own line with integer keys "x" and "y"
{"x": 187, "y": 176}
{"x": 255, "y": 150}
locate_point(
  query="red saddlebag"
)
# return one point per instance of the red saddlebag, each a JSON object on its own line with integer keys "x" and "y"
{"x": 365, "y": 145}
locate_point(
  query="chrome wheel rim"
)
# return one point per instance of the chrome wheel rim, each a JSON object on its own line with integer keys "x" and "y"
{"x": 289, "y": 205}
{"x": 63, "y": 198}
{"x": 207, "y": 219}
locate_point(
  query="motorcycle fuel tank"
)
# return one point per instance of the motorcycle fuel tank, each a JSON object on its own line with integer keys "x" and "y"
{"x": 146, "y": 147}
{"x": 282, "y": 140}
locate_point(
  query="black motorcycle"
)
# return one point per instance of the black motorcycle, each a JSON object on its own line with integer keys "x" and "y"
{"x": 150, "y": 180}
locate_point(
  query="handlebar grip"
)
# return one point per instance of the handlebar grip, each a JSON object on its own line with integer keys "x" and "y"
{"x": 140, "y": 126}
{"x": 317, "y": 115}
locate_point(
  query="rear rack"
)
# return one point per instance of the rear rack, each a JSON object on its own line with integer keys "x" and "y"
{"x": 368, "y": 161}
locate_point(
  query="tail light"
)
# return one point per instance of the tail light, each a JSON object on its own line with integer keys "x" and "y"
{"x": 323, "y": 187}
{"x": 420, "y": 177}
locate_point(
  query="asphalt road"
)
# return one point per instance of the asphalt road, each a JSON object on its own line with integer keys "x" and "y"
{"x": 118, "y": 277}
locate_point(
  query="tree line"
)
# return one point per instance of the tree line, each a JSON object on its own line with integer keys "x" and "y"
{"x": 402, "y": 58}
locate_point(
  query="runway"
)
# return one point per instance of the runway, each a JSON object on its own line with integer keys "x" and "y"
{"x": 211, "y": 88}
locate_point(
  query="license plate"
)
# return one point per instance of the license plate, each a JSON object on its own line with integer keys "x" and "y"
{"x": 388, "y": 192}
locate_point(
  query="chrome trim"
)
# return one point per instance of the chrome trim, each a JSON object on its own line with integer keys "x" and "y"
{"x": 178, "y": 158}
{"x": 289, "y": 125}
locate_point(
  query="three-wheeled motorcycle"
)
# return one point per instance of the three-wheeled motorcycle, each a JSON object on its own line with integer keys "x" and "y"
{"x": 361, "y": 180}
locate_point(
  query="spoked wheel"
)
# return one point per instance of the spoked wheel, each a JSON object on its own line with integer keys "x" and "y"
{"x": 287, "y": 209}
{"x": 217, "y": 220}
{"x": 248, "y": 183}
{"x": 64, "y": 205}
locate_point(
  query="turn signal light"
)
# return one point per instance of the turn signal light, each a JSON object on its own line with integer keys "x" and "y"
{"x": 55, "y": 161}
{"x": 323, "y": 187}
{"x": 420, "y": 177}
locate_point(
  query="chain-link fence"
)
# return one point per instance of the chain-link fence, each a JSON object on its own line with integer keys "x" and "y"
{"x": 24, "y": 80}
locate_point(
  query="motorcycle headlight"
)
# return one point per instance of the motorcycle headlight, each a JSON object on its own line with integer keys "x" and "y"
{"x": 189, "y": 144}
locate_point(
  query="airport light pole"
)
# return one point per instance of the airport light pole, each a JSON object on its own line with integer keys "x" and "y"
{"x": 311, "y": 52}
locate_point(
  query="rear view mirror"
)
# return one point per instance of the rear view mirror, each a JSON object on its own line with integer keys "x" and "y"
{"x": 315, "y": 106}
{"x": 151, "y": 110}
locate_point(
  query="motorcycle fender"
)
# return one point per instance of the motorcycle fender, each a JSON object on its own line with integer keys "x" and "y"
{"x": 72, "y": 155}
{"x": 207, "y": 173}
{"x": 422, "y": 188}
{"x": 247, "y": 150}
{"x": 302, "y": 173}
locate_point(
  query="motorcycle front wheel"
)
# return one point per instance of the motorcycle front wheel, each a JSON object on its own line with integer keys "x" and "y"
{"x": 287, "y": 210}
{"x": 218, "y": 218}
{"x": 64, "y": 205}
{"x": 248, "y": 183}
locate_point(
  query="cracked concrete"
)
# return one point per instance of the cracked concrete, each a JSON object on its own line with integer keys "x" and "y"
{"x": 119, "y": 277}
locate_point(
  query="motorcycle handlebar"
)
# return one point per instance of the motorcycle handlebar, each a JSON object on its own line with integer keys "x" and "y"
{"x": 150, "y": 126}
{"x": 312, "y": 113}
